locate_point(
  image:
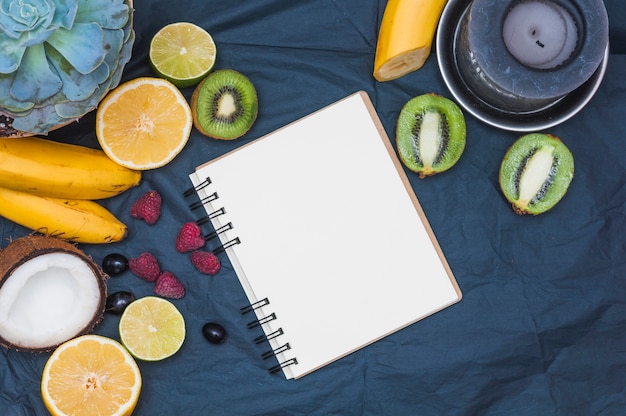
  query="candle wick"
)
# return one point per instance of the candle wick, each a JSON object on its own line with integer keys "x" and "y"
{"x": 540, "y": 44}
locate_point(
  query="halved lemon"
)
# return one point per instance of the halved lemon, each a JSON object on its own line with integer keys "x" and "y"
{"x": 144, "y": 123}
{"x": 182, "y": 53}
{"x": 152, "y": 328}
{"x": 91, "y": 375}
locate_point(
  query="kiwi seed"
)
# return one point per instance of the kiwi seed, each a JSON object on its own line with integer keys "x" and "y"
{"x": 536, "y": 172}
{"x": 430, "y": 134}
{"x": 224, "y": 105}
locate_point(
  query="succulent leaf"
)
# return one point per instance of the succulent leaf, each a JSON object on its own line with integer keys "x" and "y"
{"x": 124, "y": 57}
{"x": 7, "y": 102}
{"x": 11, "y": 56}
{"x": 34, "y": 38}
{"x": 65, "y": 13}
{"x": 72, "y": 109}
{"x": 76, "y": 86}
{"x": 84, "y": 56}
{"x": 26, "y": 16}
{"x": 35, "y": 80}
{"x": 113, "y": 42}
{"x": 110, "y": 14}
{"x": 79, "y": 87}
{"x": 39, "y": 119}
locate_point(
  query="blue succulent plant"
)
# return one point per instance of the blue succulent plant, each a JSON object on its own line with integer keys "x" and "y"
{"x": 58, "y": 58}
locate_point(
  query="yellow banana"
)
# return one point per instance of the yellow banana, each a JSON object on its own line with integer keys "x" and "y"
{"x": 59, "y": 170}
{"x": 80, "y": 220}
{"x": 405, "y": 37}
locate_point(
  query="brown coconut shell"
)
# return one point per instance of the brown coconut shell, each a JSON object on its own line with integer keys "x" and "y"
{"x": 23, "y": 249}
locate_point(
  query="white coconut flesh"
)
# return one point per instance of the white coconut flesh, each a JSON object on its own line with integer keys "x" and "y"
{"x": 47, "y": 300}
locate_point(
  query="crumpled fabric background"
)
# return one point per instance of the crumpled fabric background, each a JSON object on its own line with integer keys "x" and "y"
{"x": 541, "y": 329}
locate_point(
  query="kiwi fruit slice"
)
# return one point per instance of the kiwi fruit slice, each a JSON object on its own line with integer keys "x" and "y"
{"x": 224, "y": 105}
{"x": 536, "y": 172}
{"x": 430, "y": 134}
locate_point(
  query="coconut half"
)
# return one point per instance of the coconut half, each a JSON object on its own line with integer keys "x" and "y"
{"x": 50, "y": 292}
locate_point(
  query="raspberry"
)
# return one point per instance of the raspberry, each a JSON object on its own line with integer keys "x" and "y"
{"x": 145, "y": 267}
{"x": 168, "y": 286}
{"x": 205, "y": 262}
{"x": 147, "y": 207}
{"x": 189, "y": 238}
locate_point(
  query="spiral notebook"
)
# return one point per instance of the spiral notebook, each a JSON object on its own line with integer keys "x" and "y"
{"x": 326, "y": 236}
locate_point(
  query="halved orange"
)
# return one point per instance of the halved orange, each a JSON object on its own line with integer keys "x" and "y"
{"x": 144, "y": 123}
{"x": 91, "y": 375}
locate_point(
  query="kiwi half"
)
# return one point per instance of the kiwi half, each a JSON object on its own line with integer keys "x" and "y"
{"x": 224, "y": 105}
{"x": 430, "y": 134}
{"x": 536, "y": 172}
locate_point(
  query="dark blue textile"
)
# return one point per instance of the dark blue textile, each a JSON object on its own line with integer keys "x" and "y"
{"x": 541, "y": 329}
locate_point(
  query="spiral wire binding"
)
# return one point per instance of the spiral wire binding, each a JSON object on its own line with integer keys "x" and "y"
{"x": 259, "y": 322}
{"x": 197, "y": 188}
{"x": 264, "y": 338}
{"x": 212, "y": 197}
{"x": 211, "y": 216}
{"x": 271, "y": 353}
{"x": 254, "y": 306}
{"x": 210, "y": 236}
{"x": 267, "y": 337}
{"x": 221, "y": 211}
{"x": 280, "y": 366}
{"x": 226, "y": 245}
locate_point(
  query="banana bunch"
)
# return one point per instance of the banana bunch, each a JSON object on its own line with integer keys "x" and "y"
{"x": 51, "y": 187}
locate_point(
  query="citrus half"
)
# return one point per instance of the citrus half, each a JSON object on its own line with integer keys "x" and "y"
{"x": 182, "y": 53}
{"x": 144, "y": 123}
{"x": 152, "y": 328}
{"x": 90, "y": 375}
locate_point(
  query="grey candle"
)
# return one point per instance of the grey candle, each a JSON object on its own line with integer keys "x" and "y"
{"x": 522, "y": 56}
{"x": 540, "y": 34}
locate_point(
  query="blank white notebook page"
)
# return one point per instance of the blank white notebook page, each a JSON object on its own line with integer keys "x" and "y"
{"x": 330, "y": 233}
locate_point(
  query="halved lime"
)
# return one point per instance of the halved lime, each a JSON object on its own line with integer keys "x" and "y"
{"x": 152, "y": 328}
{"x": 183, "y": 53}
